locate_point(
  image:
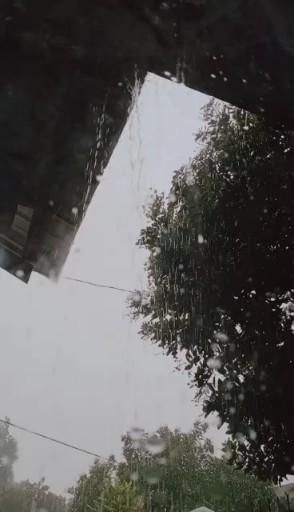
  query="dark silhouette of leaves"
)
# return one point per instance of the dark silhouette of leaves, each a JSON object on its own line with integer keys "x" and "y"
{"x": 220, "y": 281}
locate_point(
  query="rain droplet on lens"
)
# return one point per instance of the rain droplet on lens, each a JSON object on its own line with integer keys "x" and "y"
{"x": 238, "y": 328}
{"x": 240, "y": 437}
{"x": 214, "y": 363}
{"x": 216, "y": 421}
{"x": 162, "y": 460}
{"x": 5, "y": 461}
{"x": 155, "y": 445}
{"x": 136, "y": 297}
{"x": 152, "y": 480}
{"x": 136, "y": 433}
{"x": 172, "y": 198}
{"x": 227, "y": 453}
{"x": 221, "y": 336}
{"x": 252, "y": 434}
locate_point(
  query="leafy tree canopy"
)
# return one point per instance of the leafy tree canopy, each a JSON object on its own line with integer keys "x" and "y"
{"x": 23, "y": 496}
{"x": 8, "y": 456}
{"x": 27, "y": 496}
{"x": 170, "y": 470}
{"x": 220, "y": 282}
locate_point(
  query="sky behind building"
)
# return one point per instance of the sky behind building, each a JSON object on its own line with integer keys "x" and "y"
{"x": 73, "y": 365}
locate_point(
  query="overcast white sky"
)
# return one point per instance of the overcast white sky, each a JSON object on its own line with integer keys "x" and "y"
{"x": 72, "y": 364}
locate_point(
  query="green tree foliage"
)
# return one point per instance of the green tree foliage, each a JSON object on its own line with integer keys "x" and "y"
{"x": 27, "y": 496}
{"x": 90, "y": 487}
{"x": 121, "y": 497}
{"x": 220, "y": 282}
{"x": 8, "y": 456}
{"x": 179, "y": 471}
{"x": 101, "y": 490}
{"x": 23, "y": 496}
{"x": 170, "y": 471}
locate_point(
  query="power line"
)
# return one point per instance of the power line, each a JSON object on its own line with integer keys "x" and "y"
{"x": 52, "y": 439}
{"x": 99, "y": 285}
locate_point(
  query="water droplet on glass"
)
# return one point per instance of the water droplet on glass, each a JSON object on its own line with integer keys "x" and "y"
{"x": 240, "y": 437}
{"x": 225, "y": 79}
{"x": 172, "y": 197}
{"x": 5, "y": 461}
{"x": 190, "y": 179}
{"x": 136, "y": 433}
{"x": 200, "y": 239}
{"x": 51, "y": 203}
{"x": 214, "y": 363}
{"x": 229, "y": 385}
{"x": 135, "y": 476}
{"x": 155, "y": 445}
{"x": 252, "y": 434}
{"x": 216, "y": 421}
{"x": 162, "y": 460}
{"x": 20, "y": 274}
{"x": 152, "y": 480}
{"x": 227, "y": 453}
{"x": 238, "y": 328}
{"x": 136, "y": 297}
{"x": 75, "y": 211}
{"x": 221, "y": 336}
{"x": 212, "y": 75}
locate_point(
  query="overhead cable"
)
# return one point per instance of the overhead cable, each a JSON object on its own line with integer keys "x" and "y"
{"x": 52, "y": 439}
